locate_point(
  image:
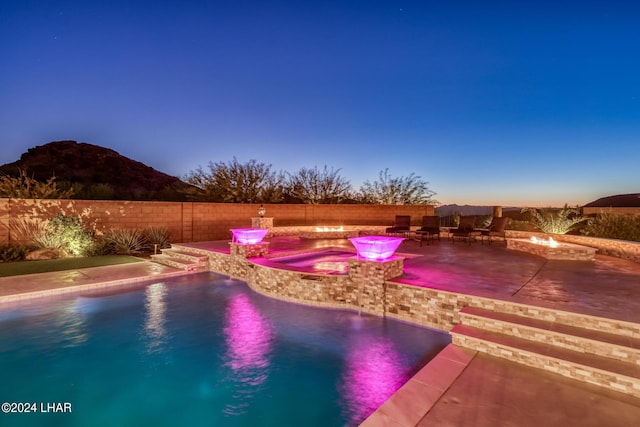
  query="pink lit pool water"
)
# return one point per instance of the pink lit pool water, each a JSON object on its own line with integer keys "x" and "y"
{"x": 327, "y": 262}
{"x": 202, "y": 350}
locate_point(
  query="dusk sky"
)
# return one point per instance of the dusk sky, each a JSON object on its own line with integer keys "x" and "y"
{"x": 508, "y": 103}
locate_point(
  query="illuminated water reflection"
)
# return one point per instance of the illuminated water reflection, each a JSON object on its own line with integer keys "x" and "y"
{"x": 248, "y": 338}
{"x": 155, "y": 319}
{"x": 374, "y": 370}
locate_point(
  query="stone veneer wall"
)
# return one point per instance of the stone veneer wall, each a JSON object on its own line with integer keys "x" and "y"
{"x": 368, "y": 290}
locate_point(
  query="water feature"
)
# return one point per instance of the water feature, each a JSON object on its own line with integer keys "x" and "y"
{"x": 202, "y": 350}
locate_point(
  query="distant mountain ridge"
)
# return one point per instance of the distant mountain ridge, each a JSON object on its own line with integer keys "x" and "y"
{"x": 95, "y": 171}
{"x": 618, "y": 201}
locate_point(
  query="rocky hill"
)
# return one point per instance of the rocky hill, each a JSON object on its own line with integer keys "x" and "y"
{"x": 617, "y": 201}
{"x": 96, "y": 172}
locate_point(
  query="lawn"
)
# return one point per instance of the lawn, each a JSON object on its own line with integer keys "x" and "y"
{"x": 44, "y": 266}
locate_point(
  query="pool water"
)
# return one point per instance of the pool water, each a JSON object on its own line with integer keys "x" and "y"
{"x": 328, "y": 261}
{"x": 202, "y": 350}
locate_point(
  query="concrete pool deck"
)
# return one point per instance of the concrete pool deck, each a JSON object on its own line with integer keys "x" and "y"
{"x": 459, "y": 387}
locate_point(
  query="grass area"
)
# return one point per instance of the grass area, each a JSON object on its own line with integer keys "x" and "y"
{"x": 44, "y": 266}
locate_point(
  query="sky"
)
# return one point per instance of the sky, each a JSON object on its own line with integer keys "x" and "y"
{"x": 509, "y": 103}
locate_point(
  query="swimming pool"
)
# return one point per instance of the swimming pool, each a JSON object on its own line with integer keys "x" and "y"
{"x": 202, "y": 350}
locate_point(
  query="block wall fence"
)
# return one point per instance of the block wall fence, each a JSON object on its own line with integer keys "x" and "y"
{"x": 193, "y": 221}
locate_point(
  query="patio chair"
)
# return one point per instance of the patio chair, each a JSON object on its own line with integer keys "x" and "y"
{"x": 465, "y": 229}
{"x": 430, "y": 228}
{"x": 402, "y": 225}
{"x": 496, "y": 229}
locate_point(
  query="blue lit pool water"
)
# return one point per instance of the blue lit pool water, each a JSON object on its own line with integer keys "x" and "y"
{"x": 202, "y": 351}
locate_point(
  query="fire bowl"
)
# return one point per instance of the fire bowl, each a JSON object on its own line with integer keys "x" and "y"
{"x": 248, "y": 236}
{"x": 376, "y": 248}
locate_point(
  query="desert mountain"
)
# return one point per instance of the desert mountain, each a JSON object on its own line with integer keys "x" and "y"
{"x": 96, "y": 172}
{"x": 617, "y": 201}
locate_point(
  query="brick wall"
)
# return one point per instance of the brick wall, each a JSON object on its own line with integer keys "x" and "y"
{"x": 189, "y": 221}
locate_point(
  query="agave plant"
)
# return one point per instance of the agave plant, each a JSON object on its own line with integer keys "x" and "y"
{"x": 157, "y": 236}
{"x": 556, "y": 221}
{"x": 125, "y": 242}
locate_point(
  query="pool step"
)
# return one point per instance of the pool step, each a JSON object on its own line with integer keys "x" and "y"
{"x": 182, "y": 260}
{"x": 605, "y": 359}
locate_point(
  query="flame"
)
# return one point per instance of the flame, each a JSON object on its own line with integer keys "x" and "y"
{"x": 545, "y": 242}
{"x": 329, "y": 229}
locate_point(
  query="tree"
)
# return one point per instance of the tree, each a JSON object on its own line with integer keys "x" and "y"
{"x": 315, "y": 186}
{"x": 234, "y": 182}
{"x": 409, "y": 190}
{"x": 26, "y": 187}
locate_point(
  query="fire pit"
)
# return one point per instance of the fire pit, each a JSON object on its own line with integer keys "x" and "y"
{"x": 328, "y": 233}
{"x": 551, "y": 249}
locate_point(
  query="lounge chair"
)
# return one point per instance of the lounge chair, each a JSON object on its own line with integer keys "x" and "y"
{"x": 429, "y": 229}
{"x": 496, "y": 229}
{"x": 465, "y": 229}
{"x": 402, "y": 225}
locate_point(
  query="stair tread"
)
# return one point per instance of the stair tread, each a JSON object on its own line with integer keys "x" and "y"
{"x": 184, "y": 253}
{"x": 585, "y": 359}
{"x": 620, "y": 340}
{"x": 176, "y": 260}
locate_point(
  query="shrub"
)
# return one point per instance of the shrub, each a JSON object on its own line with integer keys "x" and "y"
{"x": 66, "y": 233}
{"x": 555, "y": 221}
{"x": 10, "y": 253}
{"x": 26, "y": 187}
{"x": 157, "y": 236}
{"x": 622, "y": 227}
{"x": 125, "y": 242}
{"x": 101, "y": 246}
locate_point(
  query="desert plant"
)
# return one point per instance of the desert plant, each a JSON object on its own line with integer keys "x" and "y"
{"x": 157, "y": 236}
{"x": 235, "y": 182}
{"x": 408, "y": 190}
{"x": 316, "y": 186}
{"x": 555, "y": 221}
{"x": 101, "y": 246}
{"x": 125, "y": 241}
{"x": 66, "y": 233}
{"x": 10, "y": 253}
{"x": 26, "y": 229}
{"x": 26, "y": 187}
{"x": 622, "y": 227}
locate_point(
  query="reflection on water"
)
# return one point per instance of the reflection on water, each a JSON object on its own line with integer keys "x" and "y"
{"x": 374, "y": 370}
{"x": 155, "y": 319}
{"x": 248, "y": 338}
{"x": 70, "y": 324}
